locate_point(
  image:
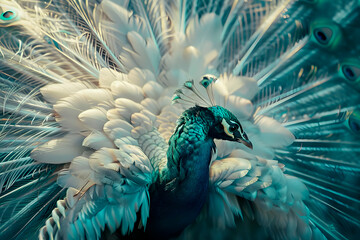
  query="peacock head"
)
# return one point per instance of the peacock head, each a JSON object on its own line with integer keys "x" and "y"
{"x": 227, "y": 127}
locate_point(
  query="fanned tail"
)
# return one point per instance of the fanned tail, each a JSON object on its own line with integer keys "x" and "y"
{"x": 28, "y": 189}
{"x": 30, "y": 58}
{"x": 303, "y": 55}
{"x": 313, "y": 90}
{"x": 66, "y": 43}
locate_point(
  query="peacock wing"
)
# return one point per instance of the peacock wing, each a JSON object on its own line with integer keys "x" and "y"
{"x": 95, "y": 131}
{"x": 100, "y": 118}
{"x": 257, "y": 190}
{"x": 114, "y": 149}
{"x": 289, "y": 48}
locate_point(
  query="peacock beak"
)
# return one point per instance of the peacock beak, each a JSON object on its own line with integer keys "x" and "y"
{"x": 242, "y": 138}
{"x": 245, "y": 142}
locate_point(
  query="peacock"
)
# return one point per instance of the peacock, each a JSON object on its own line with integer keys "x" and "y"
{"x": 184, "y": 119}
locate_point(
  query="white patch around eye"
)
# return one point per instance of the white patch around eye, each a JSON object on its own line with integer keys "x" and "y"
{"x": 239, "y": 128}
{"x": 235, "y": 123}
{"x": 226, "y": 128}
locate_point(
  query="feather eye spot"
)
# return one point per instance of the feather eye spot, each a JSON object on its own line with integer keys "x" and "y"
{"x": 205, "y": 83}
{"x": 354, "y": 122}
{"x": 188, "y": 84}
{"x": 348, "y": 72}
{"x": 8, "y": 15}
{"x": 326, "y": 33}
{"x": 323, "y": 35}
{"x": 355, "y": 126}
{"x": 176, "y": 97}
{"x": 351, "y": 73}
{"x": 207, "y": 80}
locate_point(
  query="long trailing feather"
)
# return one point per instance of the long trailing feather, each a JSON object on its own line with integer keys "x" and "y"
{"x": 87, "y": 12}
{"x": 157, "y": 22}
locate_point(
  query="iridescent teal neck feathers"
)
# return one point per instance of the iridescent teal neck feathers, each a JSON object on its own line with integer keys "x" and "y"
{"x": 183, "y": 189}
{"x": 196, "y": 128}
{"x": 190, "y": 135}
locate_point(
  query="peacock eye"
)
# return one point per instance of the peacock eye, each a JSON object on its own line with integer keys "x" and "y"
{"x": 233, "y": 128}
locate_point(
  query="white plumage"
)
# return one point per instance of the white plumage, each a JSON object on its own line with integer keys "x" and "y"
{"x": 87, "y": 88}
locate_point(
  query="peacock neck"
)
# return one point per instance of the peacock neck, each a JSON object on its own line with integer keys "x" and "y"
{"x": 190, "y": 148}
{"x": 182, "y": 191}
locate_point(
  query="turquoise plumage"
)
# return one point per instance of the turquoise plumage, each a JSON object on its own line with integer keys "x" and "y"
{"x": 181, "y": 190}
{"x": 180, "y": 119}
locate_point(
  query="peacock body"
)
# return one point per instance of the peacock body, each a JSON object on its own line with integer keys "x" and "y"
{"x": 181, "y": 191}
{"x": 128, "y": 119}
